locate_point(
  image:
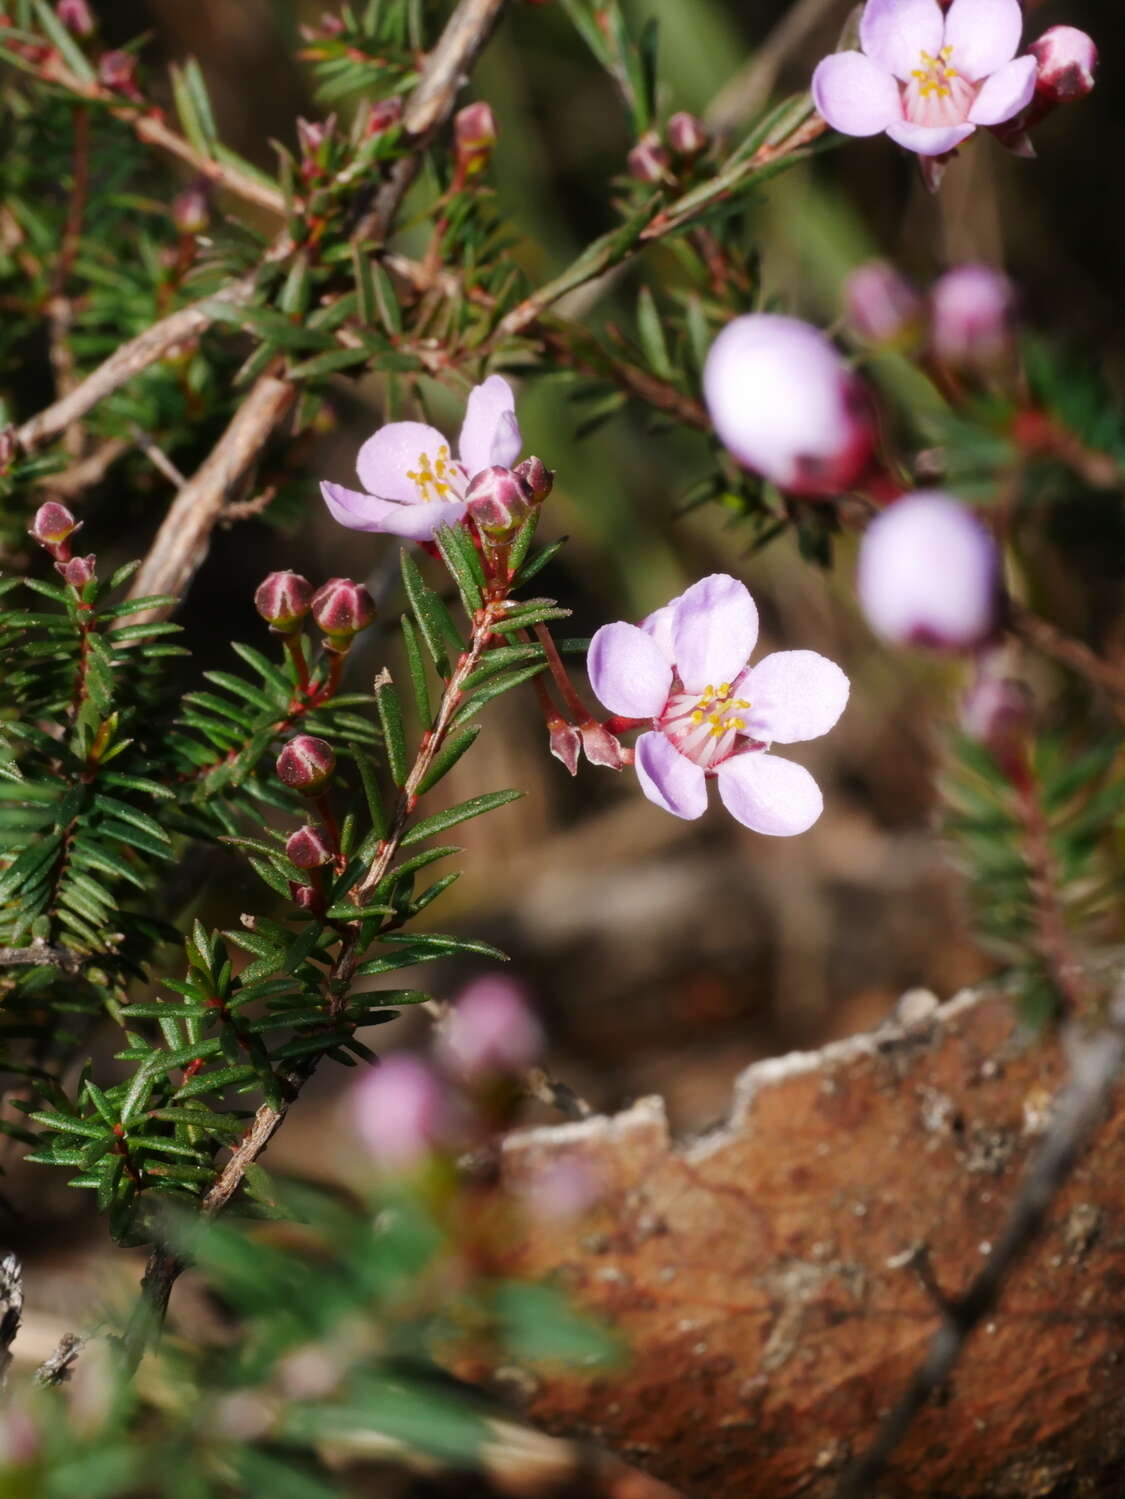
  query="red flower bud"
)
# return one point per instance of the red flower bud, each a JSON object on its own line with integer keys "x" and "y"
{"x": 997, "y": 712}
{"x": 384, "y": 115}
{"x": 283, "y": 600}
{"x": 308, "y": 848}
{"x": 78, "y": 571}
{"x": 1068, "y": 60}
{"x": 75, "y": 15}
{"x": 118, "y": 71}
{"x": 498, "y": 501}
{"x": 342, "y": 608}
{"x": 474, "y": 128}
{"x": 306, "y": 764}
{"x": 540, "y": 479}
{"x": 191, "y": 209}
{"x": 52, "y": 525}
{"x": 686, "y": 135}
{"x": 648, "y": 160}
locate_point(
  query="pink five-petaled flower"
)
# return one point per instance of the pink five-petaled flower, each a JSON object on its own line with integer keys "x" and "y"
{"x": 927, "y": 78}
{"x": 412, "y": 484}
{"x": 685, "y": 669}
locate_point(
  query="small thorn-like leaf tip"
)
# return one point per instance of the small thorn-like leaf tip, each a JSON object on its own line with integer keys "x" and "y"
{"x": 498, "y": 500}
{"x": 308, "y": 848}
{"x": 306, "y": 764}
{"x": 52, "y": 525}
{"x": 283, "y": 599}
{"x": 540, "y": 479}
{"x": 342, "y": 608}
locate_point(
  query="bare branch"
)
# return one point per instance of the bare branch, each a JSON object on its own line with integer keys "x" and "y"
{"x": 39, "y": 955}
{"x": 1047, "y": 638}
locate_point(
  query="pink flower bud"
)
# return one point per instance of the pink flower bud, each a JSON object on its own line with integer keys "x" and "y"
{"x": 78, "y": 571}
{"x": 880, "y": 305}
{"x": 648, "y": 160}
{"x": 997, "y": 712}
{"x": 785, "y": 404}
{"x": 384, "y": 115}
{"x": 686, "y": 135}
{"x": 191, "y": 208}
{"x": 540, "y": 479}
{"x": 52, "y": 525}
{"x": 118, "y": 71}
{"x": 498, "y": 501}
{"x": 1068, "y": 60}
{"x": 929, "y": 574}
{"x": 283, "y": 600}
{"x": 308, "y": 848}
{"x": 490, "y": 1029}
{"x": 474, "y": 128}
{"x": 306, "y": 897}
{"x": 306, "y": 764}
{"x": 75, "y": 15}
{"x": 972, "y": 312}
{"x": 313, "y": 134}
{"x": 342, "y": 608}
{"x": 400, "y": 1112}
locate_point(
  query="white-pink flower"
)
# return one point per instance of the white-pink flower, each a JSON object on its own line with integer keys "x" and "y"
{"x": 684, "y": 669}
{"x": 412, "y": 484}
{"x": 926, "y": 77}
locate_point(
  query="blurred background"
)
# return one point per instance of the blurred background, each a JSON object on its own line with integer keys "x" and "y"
{"x": 665, "y": 956}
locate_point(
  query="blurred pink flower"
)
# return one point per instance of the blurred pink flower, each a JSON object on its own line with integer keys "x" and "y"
{"x": 684, "y": 668}
{"x": 927, "y": 78}
{"x": 929, "y": 574}
{"x": 490, "y": 1029}
{"x": 785, "y": 404}
{"x": 971, "y": 316}
{"x": 880, "y": 304}
{"x": 400, "y": 1111}
{"x": 411, "y": 483}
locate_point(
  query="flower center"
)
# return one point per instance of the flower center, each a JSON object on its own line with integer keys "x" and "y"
{"x": 442, "y": 479}
{"x": 937, "y": 94}
{"x": 704, "y": 726}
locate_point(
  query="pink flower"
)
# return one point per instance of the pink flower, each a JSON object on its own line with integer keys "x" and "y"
{"x": 490, "y": 1029}
{"x": 880, "y": 304}
{"x": 929, "y": 574}
{"x": 785, "y": 403}
{"x": 412, "y": 485}
{"x": 400, "y": 1111}
{"x": 684, "y": 668}
{"x": 927, "y": 78}
{"x": 971, "y": 316}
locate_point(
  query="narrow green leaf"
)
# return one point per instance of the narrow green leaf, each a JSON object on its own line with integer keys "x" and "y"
{"x": 394, "y": 738}
{"x": 476, "y": 806}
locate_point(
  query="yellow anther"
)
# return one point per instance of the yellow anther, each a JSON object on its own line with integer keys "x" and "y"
{"x": 737, "y": 723}
{"x": 697, "y": 716}
{"x": 724, "y": 689}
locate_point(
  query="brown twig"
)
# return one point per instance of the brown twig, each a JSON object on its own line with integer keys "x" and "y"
{"x": 1043, "y": 636}
{"x": 1078, "y": 1109}
{"x": 183, "y": 538}
{"x": 42, "y": 956}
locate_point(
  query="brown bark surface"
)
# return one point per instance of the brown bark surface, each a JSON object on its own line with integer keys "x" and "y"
{"x": 765, "y": 1277}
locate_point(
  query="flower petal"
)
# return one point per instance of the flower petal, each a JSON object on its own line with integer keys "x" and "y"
{"x": 628, "y": 671}
{"x": 1009, "y": 90}
{"x": 395, "y": 450}
{"x": 714, "y": 631}
{"x": 668, "y": 778}
{"x": 490, "y": 433}
{"x": 793, "y": 695}
{"x": 895, "y": 33}
{"x": 768, "y": 794}
{"x": 365, "y": 512}
{"x": 984, "y": 35}
{"x": 929, "y": 140}
{"x": 855, "y": 95}
{"x": 659, "y": 624}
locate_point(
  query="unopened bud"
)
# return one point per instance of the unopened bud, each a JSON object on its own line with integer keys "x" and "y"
{"x": 313, "y": 135}
{"x": 306, "y": 764}
{"x": 283, "y": 600}
{"x": 929, "y": 574}
{"x": 686, "y": 135}
{"x": 498, "y": 501}
{"x": 648, "y": 160}
{"x": 309, "y": 848}
{"x": 474, "y": 136}
{"x": 540, "y": 479}
{"x": 191, "y": 208}
{"x": 490, "y": 1029}
{"x": 117, "y": 70}
{"x": 78, "y": 571}
{"x": 52, "y": 525}
{"x": 384, "y": 114}
{"x": 997, "y": 712}
{"x": 306, "y": 897}
{"x": 972, "y": 309}
{"x": 880, "y": 305}
{"x": 342, "y": 608}
{"x": 1068, "y": 60}
{"x": 75, "y": 16}
{"x": 401, "y": 1112}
